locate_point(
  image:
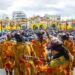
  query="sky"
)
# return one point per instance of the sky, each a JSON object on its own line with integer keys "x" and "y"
{"x": 65, "y": 8}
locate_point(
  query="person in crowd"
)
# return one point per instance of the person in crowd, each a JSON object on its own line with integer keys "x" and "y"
{"x": 8, "y": 55}
{"x": 22, "y": 52}
{"x": 1, "y": 63}
{"x": 60, "y": 63}
{"x": 69, "y": 44}
{"x": 39, "y": 45}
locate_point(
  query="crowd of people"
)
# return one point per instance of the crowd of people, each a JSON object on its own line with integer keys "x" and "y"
{"x": 46, "y": 54}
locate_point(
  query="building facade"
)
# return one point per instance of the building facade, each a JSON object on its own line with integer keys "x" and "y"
{"x": 53, "y": 17}
{"x": 18, "y": 15}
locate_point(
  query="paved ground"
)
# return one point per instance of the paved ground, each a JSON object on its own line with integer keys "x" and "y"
{"x": 2, "y": 72}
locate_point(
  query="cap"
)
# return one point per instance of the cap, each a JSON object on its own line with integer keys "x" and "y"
{"x": 65, "y": 37}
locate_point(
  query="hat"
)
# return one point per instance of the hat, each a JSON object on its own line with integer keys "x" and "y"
{"x": 56, "y": 47}
{"x": 65, "y": 37}
{"x": 61, "y": 49}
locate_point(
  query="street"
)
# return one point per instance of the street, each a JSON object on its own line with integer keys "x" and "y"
{"x": 2, "y": 72}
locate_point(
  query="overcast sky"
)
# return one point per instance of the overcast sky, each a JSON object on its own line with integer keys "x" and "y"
{"x": 65, "y": 8}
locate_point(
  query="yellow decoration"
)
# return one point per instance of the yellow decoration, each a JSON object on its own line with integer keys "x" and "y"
{"x": 64, "y": 27}
{"x": 34, "y": 25}
{"x": 69, "y": 27}
{"x": 8, "y": 27}
{"x": 38, "y": 25}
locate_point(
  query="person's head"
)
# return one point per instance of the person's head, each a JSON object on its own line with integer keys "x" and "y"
{"x": 9, "y": 37}
{"x": 59, "y": 49}
{"x": 18, "y": 37}
{"x": 65, "y": 37}
{"x": 40, "y": 35}
{"x": 22, "y": 33}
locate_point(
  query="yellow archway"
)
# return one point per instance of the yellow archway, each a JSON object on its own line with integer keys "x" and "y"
{"x": 34, "y": 25}
{"x": 38, "y": 25}
{"x": 41, "y": 24}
